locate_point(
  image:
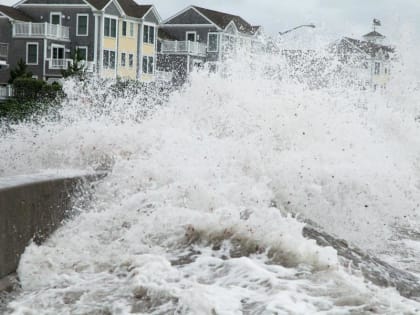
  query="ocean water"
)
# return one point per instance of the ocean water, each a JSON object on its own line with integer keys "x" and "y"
{"x": 209, "y": 188}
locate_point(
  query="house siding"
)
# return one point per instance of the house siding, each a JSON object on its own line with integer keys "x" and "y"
{"x": 6, "y": 37}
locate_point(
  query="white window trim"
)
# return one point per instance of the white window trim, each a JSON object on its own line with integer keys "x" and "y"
{"x": 57, "y": 46}
{"x": 55, "y": 13}
{"x": 147, "y": 65}
{"x": 154, "y": 31}
{"x": 87, "y": 51}
{"x": 116, "y": 26}
{"x": 191, "y": 32}
{"x": 217, "y": 41}
{"x": 109, "y": 59}
{"x": 77, "y": 24}
{"x": 37, "y": 53}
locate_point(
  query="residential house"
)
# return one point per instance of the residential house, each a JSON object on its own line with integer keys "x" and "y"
{"x": 370, "y": 58}
{"x": 196, "y": 35}
{"x": 116, "y": 38}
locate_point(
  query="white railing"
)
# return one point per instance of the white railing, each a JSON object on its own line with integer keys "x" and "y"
{"x": 4, "y": 50}
{"x": 164, "y": 76}
{"x": 6, "y": 91}
{"x": 183, "y": 47}
{"x": 59, "y": 63}
{"x": 37, "y": 30}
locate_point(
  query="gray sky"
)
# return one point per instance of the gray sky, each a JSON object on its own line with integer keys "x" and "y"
{"x": 333, "y": 18}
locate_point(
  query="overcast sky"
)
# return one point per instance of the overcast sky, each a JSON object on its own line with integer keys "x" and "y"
{"x": 333, "y": 18}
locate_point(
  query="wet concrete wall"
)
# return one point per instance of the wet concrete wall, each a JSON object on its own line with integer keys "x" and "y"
{"x": 32, "y": 211}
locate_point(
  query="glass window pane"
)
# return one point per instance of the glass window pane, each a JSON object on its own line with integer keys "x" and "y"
{"x": 106, "y": 58}
{"x": 55, "y": 18}
{"x": 212, "y": 44}
{"x": 144, "y": 64}
{"x": 131, "y": 60}
{"x": 151, "y": 34}
{"x": 123, "y": 59}
{"x": 112, "y": 59}
{"x": 132, "y": 29}
{"x": 150, "y": 65}
{"x": 106, "y": 27}
{"x": 32, "y": 53}
{"x": 113, "y": 28}
{"x": 124, "y": 28}
{"x": 82, "y": 53}
{"x": 146, "y": 34}
{"x": 82, "y": 25}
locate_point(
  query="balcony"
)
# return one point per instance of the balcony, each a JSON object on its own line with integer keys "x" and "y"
{"x": 4, "y": 48}
{"x": 183, "y": 48}
{"x": 40, "y": 30}
{"x": 59, "y": 64}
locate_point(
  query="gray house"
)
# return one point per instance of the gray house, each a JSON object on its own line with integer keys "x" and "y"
{"x": 196, "y": 35}
{"x": 116, "y": 38}
{"x": 370, "y": 59}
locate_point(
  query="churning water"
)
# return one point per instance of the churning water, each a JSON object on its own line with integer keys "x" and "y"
{"x": 208, "y": 186}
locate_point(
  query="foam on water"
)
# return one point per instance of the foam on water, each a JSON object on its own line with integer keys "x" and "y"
{"x": 194, "y": 216}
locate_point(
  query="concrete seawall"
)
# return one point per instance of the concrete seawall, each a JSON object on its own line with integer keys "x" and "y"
{"x": 32, "y": 210}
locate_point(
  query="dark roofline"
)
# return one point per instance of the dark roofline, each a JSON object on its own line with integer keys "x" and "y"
{"x": 14, "y": 13}
{"x": 223, "y": 19}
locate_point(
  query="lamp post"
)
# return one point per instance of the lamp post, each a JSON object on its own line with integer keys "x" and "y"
{"x": 311, "y": 25}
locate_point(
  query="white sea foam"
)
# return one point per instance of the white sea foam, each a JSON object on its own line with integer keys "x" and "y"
{"x": 194, "y": 216}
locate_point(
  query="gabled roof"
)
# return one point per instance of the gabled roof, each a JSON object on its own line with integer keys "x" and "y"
{"x": 374, "y": 34}
{"x": 14, "y": 14}
{"x": 98, "y": 4}
{"x": 130, "y": 7}
{"x": 366, "y": 47}
{"x": 222, "y": 20}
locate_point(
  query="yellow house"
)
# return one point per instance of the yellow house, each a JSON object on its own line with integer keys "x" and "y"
{"x": 126, "y": 39}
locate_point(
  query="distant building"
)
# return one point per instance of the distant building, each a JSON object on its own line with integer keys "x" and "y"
{"x": 117, "y": 38}
{"x": 196, "y": 35}
{"x": 370, "y": 59}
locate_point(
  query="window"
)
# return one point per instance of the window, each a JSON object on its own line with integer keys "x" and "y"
{"x": 132, "y": 29}
{"x": 148, "y": 62}
{"x": 55, "y": 18}
{"x": 82, "y": 25}
{"x": 123, "y": 55}
{"x": 110, "y": 27}
{"x": 82, "y": 52}
{"x": 109, "y": 59}
{"x": 32, "y": 53}
{"x": 191, "y": 36}
{"x": 377, "y": 67}
{"x": 57, "y": 52}
{"x": 131, "y": 60}
{"x": 149, "y": 34}
{"x": 213, "y": 42}
{"x": 124, "y": 28}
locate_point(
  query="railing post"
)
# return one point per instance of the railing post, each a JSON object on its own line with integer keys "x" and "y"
{"x": 45, "y": 29}
{"x": 176, "y": 46}
{"x": 30, "y": 29}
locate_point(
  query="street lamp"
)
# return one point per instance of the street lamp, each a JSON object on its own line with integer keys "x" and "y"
{"x": 295, "y": 28}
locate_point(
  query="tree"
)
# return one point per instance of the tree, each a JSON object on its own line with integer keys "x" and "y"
{"x": 77, "y": 67}
{"x": 21, "y": 71}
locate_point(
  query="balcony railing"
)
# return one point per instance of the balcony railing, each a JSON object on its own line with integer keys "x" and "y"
{"x": 40, "y": 30}
{"x": 4, "y": 48}
{"x": 183, "y": 47}
{"x": 59, "y": 63}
